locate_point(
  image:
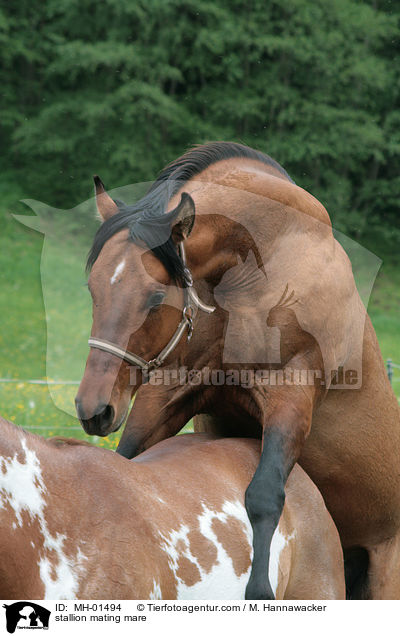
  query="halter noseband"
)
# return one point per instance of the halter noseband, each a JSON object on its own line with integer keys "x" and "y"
{"x": 191, "y": 304}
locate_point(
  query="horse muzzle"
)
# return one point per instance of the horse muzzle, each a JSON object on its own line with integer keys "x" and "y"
{"x": 102, "y": 422}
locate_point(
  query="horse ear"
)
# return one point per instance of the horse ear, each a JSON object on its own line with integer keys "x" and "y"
{"x": 183, "y": 219}
{"x": 105, "y": 205}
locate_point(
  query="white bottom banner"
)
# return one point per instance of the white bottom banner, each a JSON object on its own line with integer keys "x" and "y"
{"x": 150, "y": 617}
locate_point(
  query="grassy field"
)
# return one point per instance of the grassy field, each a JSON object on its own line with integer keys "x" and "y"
{"x": 49, "y": 410}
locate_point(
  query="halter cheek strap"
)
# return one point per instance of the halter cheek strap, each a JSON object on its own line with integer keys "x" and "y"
{"x": 191, "y": 305}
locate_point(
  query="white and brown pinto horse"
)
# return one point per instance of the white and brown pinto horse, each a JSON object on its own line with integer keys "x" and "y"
{"x": 78, "y": 521}
{"x": 262, "y": 252}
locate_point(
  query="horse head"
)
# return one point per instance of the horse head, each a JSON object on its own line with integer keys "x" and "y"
{"x": 138, "y": 301}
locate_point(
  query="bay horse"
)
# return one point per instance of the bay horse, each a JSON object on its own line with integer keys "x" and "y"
{"x": 227, "y": 265}
{"x": 77, "y": 521}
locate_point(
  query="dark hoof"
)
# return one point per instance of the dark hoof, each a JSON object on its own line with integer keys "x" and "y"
{"x": 257, "y": 592}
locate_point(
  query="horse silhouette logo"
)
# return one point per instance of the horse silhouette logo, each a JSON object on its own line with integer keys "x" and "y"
{"x": 26, "y": 615}
{"x": 247, "y": 293}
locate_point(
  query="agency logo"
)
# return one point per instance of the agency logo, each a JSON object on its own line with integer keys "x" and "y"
{"x": 26, "y": 615}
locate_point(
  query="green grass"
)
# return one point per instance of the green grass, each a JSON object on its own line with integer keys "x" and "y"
{"x": 384, "y": 310}
{"x": 23, "y": 326}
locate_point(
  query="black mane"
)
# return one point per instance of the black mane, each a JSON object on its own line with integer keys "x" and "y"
{"x": 146, "y": 219}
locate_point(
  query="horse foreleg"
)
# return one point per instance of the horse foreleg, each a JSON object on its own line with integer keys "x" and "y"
{"x": 264, "y": 502}
{"x": 265, "y": 497}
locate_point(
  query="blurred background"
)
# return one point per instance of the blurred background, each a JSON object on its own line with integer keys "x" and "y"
{"x": 122, "y": 87}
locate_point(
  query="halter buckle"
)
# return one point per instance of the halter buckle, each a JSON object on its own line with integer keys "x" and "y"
{"x": 152, "y": 365}
{"x": 187, "y": 312}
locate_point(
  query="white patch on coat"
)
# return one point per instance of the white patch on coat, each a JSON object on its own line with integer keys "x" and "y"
{"x": 21, "y": 484}
{"x": 23, "y": 489}
{"x": 278, "y": 544}
{"x": 221, "y": 582}
{"x": 155, "y": 594}
{"x": 118, "y": 270}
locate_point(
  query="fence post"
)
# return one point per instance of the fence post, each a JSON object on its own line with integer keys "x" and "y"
{"x": 389, "y": 367}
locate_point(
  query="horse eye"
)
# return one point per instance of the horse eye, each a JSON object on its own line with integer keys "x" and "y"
{"x": 156, "y": 299}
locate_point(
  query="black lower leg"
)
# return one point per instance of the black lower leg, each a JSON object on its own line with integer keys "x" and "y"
{"x": 265, "y": 498}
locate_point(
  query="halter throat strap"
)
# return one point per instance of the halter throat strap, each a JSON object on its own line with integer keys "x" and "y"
{"x": 191, "y": 305}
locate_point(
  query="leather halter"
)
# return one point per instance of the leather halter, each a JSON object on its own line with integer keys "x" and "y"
{"x": 191, "y": 304}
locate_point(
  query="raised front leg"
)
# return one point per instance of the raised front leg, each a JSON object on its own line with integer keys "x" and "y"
{"x": 284, "y": 434}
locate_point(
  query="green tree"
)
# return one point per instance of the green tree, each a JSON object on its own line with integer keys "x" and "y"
{"x": 124, "y": 86}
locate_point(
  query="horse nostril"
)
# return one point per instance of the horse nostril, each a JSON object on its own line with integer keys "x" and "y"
{"x": 108, "y": 414}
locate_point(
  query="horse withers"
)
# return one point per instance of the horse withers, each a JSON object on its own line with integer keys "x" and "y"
{"x": 273, "y": 291}
{"x": 78, "y": 521}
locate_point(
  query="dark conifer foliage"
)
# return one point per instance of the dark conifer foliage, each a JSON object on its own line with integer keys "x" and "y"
{"x": 123, "y": 87}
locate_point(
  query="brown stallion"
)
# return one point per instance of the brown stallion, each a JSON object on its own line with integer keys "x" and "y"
{"x": 288, "y": 355}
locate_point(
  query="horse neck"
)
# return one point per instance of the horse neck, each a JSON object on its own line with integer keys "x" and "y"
{"x": 242, "y": 208}
{"x": 251, "y": 179}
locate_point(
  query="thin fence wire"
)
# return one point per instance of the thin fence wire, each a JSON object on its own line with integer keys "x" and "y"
{"x": 56, "y": 382}
{"x": 44, "y": 427}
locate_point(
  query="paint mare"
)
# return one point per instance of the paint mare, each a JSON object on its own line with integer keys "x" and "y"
{"x": 80, "y": 521}
{"x": 245, "y": 213}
